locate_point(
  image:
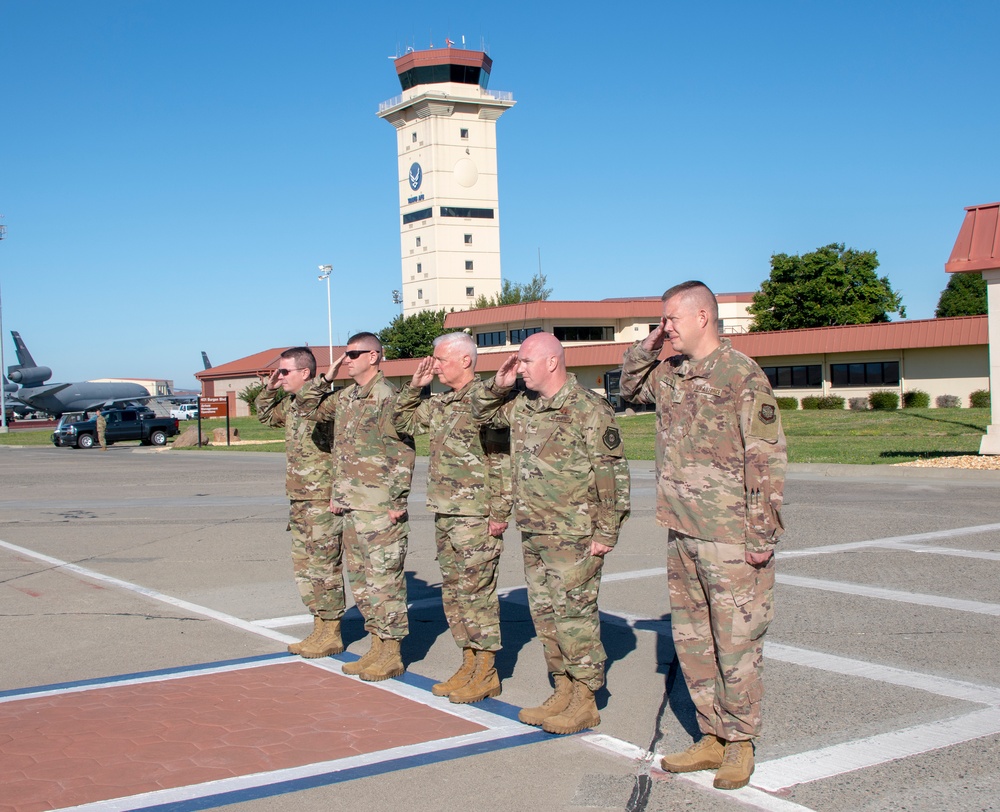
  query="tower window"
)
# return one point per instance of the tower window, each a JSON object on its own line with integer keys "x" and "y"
{"x": 420, "y": 267}
{"x": 418, "y": 242}
{"x": 464, "y": 133}
{"x": 468, "y": 264}
{"x": 420, "y": 293}
{"x": 413, "y": 137}
{"x": 470, "y": 291}
{"x": 468, "y": 239}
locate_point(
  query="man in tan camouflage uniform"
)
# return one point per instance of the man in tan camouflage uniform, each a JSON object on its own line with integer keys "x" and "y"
{"x": 571, "y": 495}
{"x": 371, "y": 469}
{"x": 316, "y": 533}
{"x": 468, "y": 489}
{"x": 722, "y": 461}
{"x": 101, "y": 426}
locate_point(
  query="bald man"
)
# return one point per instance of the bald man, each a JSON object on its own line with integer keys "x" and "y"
{"x": 571, "y": 496}
{"x": 721, "y": 474}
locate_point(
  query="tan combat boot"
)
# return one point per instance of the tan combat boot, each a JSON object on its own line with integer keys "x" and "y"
{"x": 552, "y": 706}
{"x": 389, "y": 663}
{"x": 704, "y": 754}
{"x": 579, "y": 714}
{"x": 737, "y": 766}
{"x": 460, "y": 677}
{"x": 368, "y": 657}
{"x": 484, "y": 681}
{"x": 296, "y": 648}
{"x": 328, "y": 642}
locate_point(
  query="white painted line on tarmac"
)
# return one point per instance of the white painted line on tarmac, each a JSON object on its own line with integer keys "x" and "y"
{"x": 986, "y": 555}
{"x": 748, "y": 795}
{"x": 933, "y": 535}
{"x": 860, "y": 590}
{"x": 828, "y": 762}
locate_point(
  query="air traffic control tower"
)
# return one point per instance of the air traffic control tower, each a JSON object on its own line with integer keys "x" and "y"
{"x": 445, "y": 124}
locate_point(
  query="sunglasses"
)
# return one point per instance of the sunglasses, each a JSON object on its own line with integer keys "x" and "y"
{"x": 352, "y": 354}
{"x": 282, "y": 372}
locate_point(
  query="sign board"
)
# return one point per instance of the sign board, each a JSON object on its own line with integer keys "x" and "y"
{"x": 213, "y": 407}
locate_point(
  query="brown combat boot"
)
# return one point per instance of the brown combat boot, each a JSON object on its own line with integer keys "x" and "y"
{"x": 328, "y": 642}
{"x": 296, "y": 648}
{"x": 460, "y": 677}
{"x": 484, "y": 681}
{"x": 737, "y": 766}
{"x": 552, "y": 706}
{"x": 368, "y": 657}
{"x": 704, "y": 754}
{"x": 389, "y": 663}
{"x": 579, "y": 714}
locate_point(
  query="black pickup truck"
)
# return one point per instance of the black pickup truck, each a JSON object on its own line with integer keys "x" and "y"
{"x": 123, "y": 424}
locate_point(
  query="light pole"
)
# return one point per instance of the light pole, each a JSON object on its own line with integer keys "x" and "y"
{"x": 3, "y": 369}
{"x": 397, "y": 298}
{"x": 326, "y": 271}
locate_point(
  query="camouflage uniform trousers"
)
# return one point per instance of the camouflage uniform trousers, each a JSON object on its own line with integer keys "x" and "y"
{"x": 563, "y": 581}
{"x": 316, "y": 557}
{"x": 469, "y": 558}
{"x": 374, "y": 552}
{"x": 720, "y": 608}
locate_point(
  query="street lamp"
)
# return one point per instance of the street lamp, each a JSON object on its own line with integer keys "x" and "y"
{"x": 397, "y": 298}
{"x": 3, "y": 369}
{"x": 326, "y": 271}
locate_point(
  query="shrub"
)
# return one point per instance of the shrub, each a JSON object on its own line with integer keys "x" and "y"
{"x": 916, "y": 399}
{"x": 810, "y": 402}
{"x": 884, "y": 400}
{"x": 787, "y": 404}
{"x": 948, "y": 402}
{"x": 830, "y": 402}
{"x": 980, "y": 399}
{"x": 858, "y": 404}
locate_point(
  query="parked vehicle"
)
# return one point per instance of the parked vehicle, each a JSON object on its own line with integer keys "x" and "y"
{"x": 123, "y": 424}
{"x": 185, "y": 411}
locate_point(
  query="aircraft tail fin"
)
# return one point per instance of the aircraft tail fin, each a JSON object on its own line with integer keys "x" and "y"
{"x": 204, "y": 358}
{"x": 23, "y": 356}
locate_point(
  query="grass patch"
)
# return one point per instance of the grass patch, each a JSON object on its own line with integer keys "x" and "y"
{"x": 845, "y": 437}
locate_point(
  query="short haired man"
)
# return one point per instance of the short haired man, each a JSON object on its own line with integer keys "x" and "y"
{"x": 101, "y": 427}
{"x": 719, "y": 491}
{"x": 316, "y": 533}
{"x": 371, "y": 470}
{"x": 468, "y": 490}
{"x": 571, "y": 495}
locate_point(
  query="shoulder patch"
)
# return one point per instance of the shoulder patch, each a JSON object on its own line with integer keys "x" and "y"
{"x": 764, "y": 423}
{"x": 612, "y": 438}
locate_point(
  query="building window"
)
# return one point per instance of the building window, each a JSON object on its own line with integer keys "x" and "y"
{"x": 414, "y": 216}
{"x": 517, "y": 336}
{"x": 464, "y": 133}
{"x": 413, "y": 137}
{"x": 420, "y": 293}
{"x": 584, "y": 333}
{"x": 420, "y": 267}
{"x": 497, "y": 338}
{"x": 468, "y": 264}
{"x": 468, "y": 239}
{"x": 470, "y": 291}
{"x": 797, "y": 377}
{"x": 418, "y": 242}
{"x": 878, "y": 373}
{"x": 462, "y": 211}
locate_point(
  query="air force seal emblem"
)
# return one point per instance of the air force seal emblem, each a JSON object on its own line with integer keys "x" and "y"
{"x": 767, "y": 414}
{"x": 612, "y": 438}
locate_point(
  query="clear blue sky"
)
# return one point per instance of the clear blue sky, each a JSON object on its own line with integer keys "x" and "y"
{"x": 172, "y": 173}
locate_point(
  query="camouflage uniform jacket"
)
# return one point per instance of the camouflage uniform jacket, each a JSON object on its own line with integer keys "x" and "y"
{"x": 720, "y": 447}
{"x": 372, "y": 465}
{"x": 568, "y": 462}
{"x": 307, "y": 445}
{"x": 469, "y": 469}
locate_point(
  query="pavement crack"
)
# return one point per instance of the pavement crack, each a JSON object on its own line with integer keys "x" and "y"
{"x": 643, "y": 784}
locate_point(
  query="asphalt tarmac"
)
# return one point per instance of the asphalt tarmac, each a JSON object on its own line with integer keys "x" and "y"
{"x": 882, "y": 683}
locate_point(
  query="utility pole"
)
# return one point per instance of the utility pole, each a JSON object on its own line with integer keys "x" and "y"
{"x": 3, "y": 368}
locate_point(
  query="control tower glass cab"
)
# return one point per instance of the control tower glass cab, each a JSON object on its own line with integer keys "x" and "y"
{"x": 445, "y": 124}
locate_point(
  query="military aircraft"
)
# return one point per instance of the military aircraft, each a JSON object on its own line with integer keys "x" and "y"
{"x": 56, "y": 398}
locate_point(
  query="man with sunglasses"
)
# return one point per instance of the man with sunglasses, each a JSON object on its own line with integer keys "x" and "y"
{"x": 468, "y": 490}
{"x": 371, "y": 470}
{"x": 316, "y": 533}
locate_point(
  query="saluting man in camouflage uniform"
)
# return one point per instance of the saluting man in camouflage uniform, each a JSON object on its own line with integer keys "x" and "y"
{"x": 371, "y": 468}
{"x": 722, "y": 461}
{"x": 571, "y": 495}
{"x": 316, "y": 550}
{"x": 468, "y": 489}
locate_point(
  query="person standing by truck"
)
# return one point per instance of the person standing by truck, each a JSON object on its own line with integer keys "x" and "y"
{"x": 102, "y": 427}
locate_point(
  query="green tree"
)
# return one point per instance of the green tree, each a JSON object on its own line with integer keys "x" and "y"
{"x": 830, "y": 286}
{"x": 965, "y": 295}
{"x": 516, "y": 293}
{"x": 412, "y": 336}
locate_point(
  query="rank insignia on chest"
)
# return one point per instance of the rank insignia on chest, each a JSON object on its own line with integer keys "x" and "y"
{"x": 612, "y": 438}
{"x": 767, "y": 414}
